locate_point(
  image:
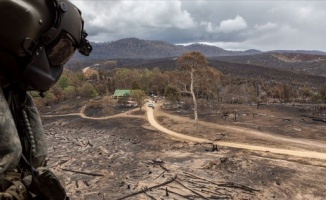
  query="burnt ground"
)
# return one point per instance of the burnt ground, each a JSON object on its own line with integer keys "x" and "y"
{"x": 116, "y": 157}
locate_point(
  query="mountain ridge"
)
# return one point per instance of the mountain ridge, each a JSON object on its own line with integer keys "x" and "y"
{"x": 128, "y": 49}
{"x": 153, "y": 49}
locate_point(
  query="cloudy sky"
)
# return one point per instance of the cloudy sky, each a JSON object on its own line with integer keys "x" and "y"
{"x": 229, "y": 24}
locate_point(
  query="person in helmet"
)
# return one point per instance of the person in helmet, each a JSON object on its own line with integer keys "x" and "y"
{"x": 37, "y": 38}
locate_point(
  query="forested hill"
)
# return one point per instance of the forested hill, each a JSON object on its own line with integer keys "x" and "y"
{"x": 136, "y": 52}
{"x": 296, "y": 62}
{"x": 149, "y": 49}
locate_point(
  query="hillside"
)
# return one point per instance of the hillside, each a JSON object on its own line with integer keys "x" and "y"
{"x": 268, "y": 73}
{"x": 133, "y": 51}
{"x": 135, "y": 48}
{"x": 295, "y": 62}
{"x": 152, "y": 49}
{"x": 239, "y": 70}
{"x": 148, "y": 49}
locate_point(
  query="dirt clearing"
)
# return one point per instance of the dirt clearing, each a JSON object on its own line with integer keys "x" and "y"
{"x": 117, "y": 157}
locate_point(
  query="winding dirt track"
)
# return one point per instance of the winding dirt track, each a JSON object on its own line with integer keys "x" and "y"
{"x": 82, "y": 115}
{"x": 258, "y": 134}
{"x": 305, "y": 154}
{"x": 153, "y": 122}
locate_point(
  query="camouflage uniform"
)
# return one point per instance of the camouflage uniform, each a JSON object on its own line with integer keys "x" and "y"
{"x": 10, "y": 146}
{"x": 37, "y": 39}
{"x": 14, "y": 144}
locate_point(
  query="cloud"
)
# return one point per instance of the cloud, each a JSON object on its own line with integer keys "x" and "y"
{"x": 305, "y": 11}
{"x": 230, "y": 25}
{"x": 234, "y": 24}
{"x": 225, "y": 26}
{"x": 133, "y": 17}
{"x": 267, "y": 26}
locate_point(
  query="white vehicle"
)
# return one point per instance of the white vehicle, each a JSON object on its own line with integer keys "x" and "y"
{"x": 151, "y": 105}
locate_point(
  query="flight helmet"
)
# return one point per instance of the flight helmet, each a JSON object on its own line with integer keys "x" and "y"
{"x": 41, "y": 36}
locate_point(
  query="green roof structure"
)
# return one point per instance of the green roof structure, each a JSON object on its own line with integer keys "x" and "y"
{"x": 121, "y": 93}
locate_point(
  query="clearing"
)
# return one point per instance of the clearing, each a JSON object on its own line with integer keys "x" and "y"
{"x": 274, "y": 152}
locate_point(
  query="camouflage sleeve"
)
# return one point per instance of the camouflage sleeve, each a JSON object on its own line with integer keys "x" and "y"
{"x": 37, "y": 129}
{"x": 10, "y": 146}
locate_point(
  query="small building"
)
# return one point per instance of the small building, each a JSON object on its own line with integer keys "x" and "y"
{"x": 121, "y": 93}
{"x": 90, "y": 73}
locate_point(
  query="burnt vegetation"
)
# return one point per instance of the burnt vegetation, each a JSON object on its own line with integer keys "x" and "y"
{"x": 250, "y": 77}
{"x": 124, "y": 158}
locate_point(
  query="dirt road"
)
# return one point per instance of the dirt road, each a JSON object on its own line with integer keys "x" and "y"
{"x": 153, "y": 122}
{"x": 126, "y": 151}
{"x": 82, "y": 114}
{"x": 306, "y": 154}
{"x": 258, "y": 134}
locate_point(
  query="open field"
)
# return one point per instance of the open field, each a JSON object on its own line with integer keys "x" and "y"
{"x": 123, "y": 154}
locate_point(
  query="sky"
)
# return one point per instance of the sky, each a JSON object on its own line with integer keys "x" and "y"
{"x": 229, "y": 24}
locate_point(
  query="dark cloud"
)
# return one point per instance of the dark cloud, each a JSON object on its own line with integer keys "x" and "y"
{"x": 264, "y": 25}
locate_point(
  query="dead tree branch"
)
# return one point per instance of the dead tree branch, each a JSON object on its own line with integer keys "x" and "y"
{"x": 190, "y": 189}
{"x": 80, "y": 172}
{"x": 146, "y": 189}
{"x": 172, "y": 192}
{"x": 160, "y": 175}
{"x": 227, "y": 184}
{"x": 166, "y": 169}
{"x": 318, "y": 119}
{"x": 239, "y": 186}
{"x": 149, "y": 196}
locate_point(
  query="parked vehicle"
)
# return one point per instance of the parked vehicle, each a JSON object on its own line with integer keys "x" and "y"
{"x": 151, "y": 105}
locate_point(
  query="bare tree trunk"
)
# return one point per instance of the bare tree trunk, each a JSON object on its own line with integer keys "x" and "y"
{"x": 194, "y": 99}
{"x": 195, "y": 110}
{"x": 191, "y": 62}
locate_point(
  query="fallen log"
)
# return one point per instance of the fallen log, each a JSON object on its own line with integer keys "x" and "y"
{"x": 80, "y": 172}
{"x": 239, "y": 186}
{"x": 160, "y": 175}
{"x": 318, "y": 119}
{"x": 191, "y": 190}
{"x": 227, "y": 184}
{"x": 149, "y": 188}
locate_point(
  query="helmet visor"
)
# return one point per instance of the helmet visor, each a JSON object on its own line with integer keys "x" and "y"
{"x": 62, "y": 51}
